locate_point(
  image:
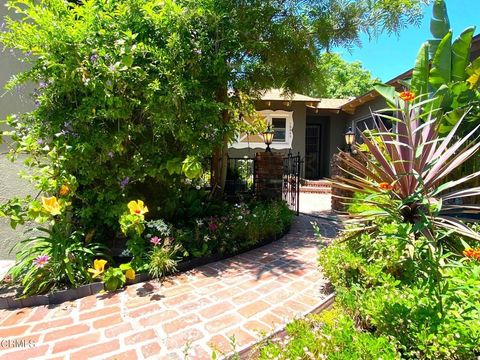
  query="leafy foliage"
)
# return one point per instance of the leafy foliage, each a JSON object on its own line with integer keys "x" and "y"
{"x": 332, "y": 335}
{"x": 385, "y": 283}
{"x": 216, "y": 233}
{"x": 54, "y": 257}
{"x": 444, "y": 71}
{"x": 133, "y": 95}
{"x": 403, "y": 177}
{"x": 163, "y": 260}
{"x": 333, "y": 77}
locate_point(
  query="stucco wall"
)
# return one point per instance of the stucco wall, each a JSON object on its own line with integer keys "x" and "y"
{"x": 335, "y": 128}
{"x": 10, "y": 183}
{"x": 365, "y": 110}
{"x": 299, "y": 125}
{"x": 338, "y": 127}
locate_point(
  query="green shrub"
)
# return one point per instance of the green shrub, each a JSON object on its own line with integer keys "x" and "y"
{"x": 163, "y": 260}
{"x": 330, "y": 335}
{"x": 391, "y": 292}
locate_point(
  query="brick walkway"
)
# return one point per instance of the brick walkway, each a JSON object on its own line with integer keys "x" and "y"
{"x": 245, "y": 296}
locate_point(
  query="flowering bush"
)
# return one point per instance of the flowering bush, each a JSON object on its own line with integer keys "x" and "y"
{"x": 110, "y": 120}
{"x": 55, "y": 256}
{"x": 404, "y": 269}
{"x": 243, "y": 227}
{"x": 331, "y": 334}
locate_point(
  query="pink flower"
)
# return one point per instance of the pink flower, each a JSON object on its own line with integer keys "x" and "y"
{"x": 155, "y": 240}
{"x": 212, "y": 226}
{"x": 41, "y": 261}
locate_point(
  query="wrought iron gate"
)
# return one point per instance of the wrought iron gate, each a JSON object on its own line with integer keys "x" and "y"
{"x": 291, "y": 181}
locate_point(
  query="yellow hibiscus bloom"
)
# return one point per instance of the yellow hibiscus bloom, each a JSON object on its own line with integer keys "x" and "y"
{"x": 51, "y": 205}
{"x": 99, "y": 268}
{"x": 130, "y": 274}
{"x": 137, "y": 207}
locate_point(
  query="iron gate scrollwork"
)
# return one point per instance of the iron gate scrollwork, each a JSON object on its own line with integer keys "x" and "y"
{"x": 291, "y": 181}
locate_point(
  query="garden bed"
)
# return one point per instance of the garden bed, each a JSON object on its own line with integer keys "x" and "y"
{"x": 9, "y": 295}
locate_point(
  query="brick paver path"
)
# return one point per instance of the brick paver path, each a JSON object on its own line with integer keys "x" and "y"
{"x": 246, "y": 295}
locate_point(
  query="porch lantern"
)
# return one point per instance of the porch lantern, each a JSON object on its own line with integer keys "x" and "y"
{"x": 268, "y": 137}
{"x": 350, "y": 138}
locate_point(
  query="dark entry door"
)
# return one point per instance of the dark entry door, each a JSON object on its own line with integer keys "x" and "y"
{"x": 313, "y": 135}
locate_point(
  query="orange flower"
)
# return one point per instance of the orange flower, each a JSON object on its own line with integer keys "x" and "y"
{"x": 385, "y": 186}
{"x": 472, "y": 253}
{"x": 407, "y": 95}
{"x": 64, "y": 190}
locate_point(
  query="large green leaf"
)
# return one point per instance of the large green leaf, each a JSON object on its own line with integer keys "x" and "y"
{"x": 441, "y": 72}
{"x": 419, "y": 84}
{"x": 192, "y": 168}
{"x": 439, "y": 24}
{"x": 388, "y": 92}
{"x": 473, "y": 72}
{"x": 461, "y": 54}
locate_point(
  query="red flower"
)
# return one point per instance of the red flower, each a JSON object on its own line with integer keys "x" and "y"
{"x": 212, "y": 226}
{"x": 407, "y": 96}
{"x": 385, "y": 186}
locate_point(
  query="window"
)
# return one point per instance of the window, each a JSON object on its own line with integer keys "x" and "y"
{"x": 280, "y": 128}
{"x": 368, "y": 123}
{"x": 282, "y": 125}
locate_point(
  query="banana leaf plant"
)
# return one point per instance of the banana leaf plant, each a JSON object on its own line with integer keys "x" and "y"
{"x": 404, "y": 173}
{"x": 443, "y": 70}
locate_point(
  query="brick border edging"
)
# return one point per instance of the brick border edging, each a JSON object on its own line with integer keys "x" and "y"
{"x": 58, "y": 297}
{"x": 251, "y": 351}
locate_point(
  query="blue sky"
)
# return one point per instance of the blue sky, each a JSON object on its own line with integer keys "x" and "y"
{"x": 389, "y": 56}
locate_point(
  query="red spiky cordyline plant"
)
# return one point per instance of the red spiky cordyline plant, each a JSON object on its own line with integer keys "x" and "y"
{"x": 404, "y": 174}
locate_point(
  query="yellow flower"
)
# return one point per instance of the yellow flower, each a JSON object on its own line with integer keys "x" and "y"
{"x": 99, "y": 268}
{"x": 130, "y": 274}
{"x": 137, "y": 207}
{"x": 64, "y": 190}
{"x": 51, "y": 205}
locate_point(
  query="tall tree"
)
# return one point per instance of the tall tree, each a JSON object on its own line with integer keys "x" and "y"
{"x": 334, "y": 77}
{"x": 275, "y": 43}
{"x": 168, "y": 80}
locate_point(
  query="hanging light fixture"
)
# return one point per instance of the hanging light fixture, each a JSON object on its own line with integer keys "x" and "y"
{"x": 268, "y": 137}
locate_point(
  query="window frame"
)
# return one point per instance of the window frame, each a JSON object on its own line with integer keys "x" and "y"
{"x": 268, "y": 115}
{"x": 283, "y": 140}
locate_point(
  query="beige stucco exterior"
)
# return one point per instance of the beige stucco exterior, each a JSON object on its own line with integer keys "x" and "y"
{"x": 10, "y": 183}
{"x": 332, "y": 121}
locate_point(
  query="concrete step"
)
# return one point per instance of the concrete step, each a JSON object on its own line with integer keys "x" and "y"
{"x": 315, "y": 190}
{"x": 316, "y": 183}
{"x": 316, "y": 187}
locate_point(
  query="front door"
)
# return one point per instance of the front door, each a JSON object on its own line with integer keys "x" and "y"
{"x": 313, "y": 135}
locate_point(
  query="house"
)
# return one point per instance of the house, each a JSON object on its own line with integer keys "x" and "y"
{"x": 313, "y": 127}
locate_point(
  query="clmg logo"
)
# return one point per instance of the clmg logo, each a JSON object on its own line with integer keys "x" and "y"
{"x": 16, "y": 343}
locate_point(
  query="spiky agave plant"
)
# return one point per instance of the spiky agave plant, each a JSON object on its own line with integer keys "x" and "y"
{"x": 404, "y": 174}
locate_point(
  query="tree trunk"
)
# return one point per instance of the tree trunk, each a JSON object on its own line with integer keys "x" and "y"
{"x": 220, "y": 155}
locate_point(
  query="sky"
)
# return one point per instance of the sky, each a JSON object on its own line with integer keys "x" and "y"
{"x": 389, "y": 56}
